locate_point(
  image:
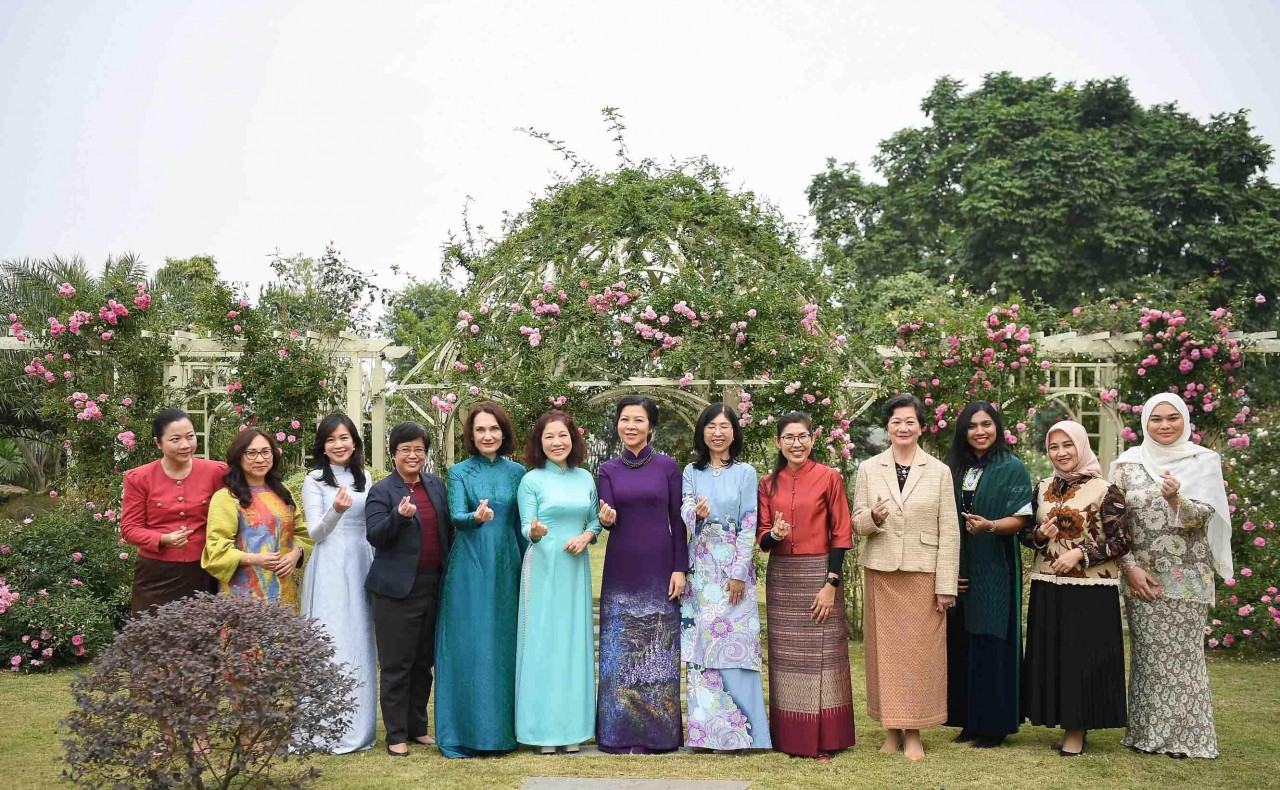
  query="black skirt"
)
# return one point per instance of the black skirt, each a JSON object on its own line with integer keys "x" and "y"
{"x": 158, "y": 582}
{"x": 1073, "y": 669}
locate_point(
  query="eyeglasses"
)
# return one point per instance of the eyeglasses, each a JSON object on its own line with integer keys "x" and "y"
{"x": 795, "y": 438}
{"x": 265, "y": 452}
{"x": 411, "y": 451}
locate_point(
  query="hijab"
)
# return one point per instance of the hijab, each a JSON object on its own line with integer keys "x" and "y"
{"x": 1197, "y": 468}
{"x": 1087, "y": 464}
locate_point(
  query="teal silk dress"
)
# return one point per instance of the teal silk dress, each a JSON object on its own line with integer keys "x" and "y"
{"x": 476, "y": 635}
{"x": 555, "y": 644}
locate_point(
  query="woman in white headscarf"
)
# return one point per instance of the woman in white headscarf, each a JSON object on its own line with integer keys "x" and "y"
{"x": 1181, "y": 533}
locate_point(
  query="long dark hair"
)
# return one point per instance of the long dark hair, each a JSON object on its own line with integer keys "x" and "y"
{"x": 700, "y": 442}
{"x": 327, "y": 426}
{"x": 960, "y": 455}
{"x": 234, "y": 479}
{"x": 780, "y": 462}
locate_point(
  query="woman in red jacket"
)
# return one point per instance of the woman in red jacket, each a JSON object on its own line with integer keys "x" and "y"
{"x": 165, "y": 506}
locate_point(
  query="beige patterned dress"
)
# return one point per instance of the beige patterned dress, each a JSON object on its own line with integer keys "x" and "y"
{"x": 1170, "y": 705}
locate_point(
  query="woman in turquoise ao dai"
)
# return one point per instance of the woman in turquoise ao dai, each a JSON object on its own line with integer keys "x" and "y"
{"x": 555, "y": 646}
{"x": 476, "y": 636}
{"x": 720, "y": 613}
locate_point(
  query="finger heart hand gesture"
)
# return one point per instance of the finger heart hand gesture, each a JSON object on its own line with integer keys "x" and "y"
{"x": 1169, "y": 485}
{"x": 880, "y": 510}
{"x": 781, "y": 528}
{"x": 537, "y": 530}
{"x": 407, "y": 508}
{"x": 702, "y": 509}
{"x": 484, "y": 512}
{"x": 342, "y": 500}
{"x": 607, "y": 514}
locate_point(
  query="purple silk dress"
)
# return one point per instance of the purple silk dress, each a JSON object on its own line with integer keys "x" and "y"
{"x": 638, "y": 700}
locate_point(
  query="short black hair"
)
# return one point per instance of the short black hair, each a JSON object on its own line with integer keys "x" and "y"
{"x": 164, "y": 418}
{"x": 536, "y": 458}
{"x": 903, "y": 400}
{"x": 406, "y": 432}
{"x": 700, "y": 442}
{"x": 650, "y": 409}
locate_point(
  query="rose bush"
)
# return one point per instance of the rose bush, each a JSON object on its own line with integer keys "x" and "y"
{"x": 66, "y": 585}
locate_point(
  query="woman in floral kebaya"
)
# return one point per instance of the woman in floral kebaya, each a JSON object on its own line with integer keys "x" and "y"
{"x": 720, "y": 613}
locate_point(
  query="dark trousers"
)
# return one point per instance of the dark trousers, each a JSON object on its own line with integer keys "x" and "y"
{"x": 405, "y": 630}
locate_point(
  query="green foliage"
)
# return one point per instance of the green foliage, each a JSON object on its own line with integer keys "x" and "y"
{"x": 1057, "y": 190}
{"x": 215, "y": 691}
{"x": 180, "y": 287}
{"x": 647, "y": 271}
{"x": 96, "y": 407}
{"x": 421, "y": 317}
{"x": 71, "y": 574}
{"x": 282, "y": 378}
{"x": 1248, "y": 610}
{"x": 326, "y": 295}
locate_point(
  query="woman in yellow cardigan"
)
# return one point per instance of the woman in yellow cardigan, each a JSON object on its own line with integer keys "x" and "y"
{"x": 253, "y": 544}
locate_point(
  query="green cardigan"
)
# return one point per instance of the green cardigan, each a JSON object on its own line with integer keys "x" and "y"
{"x": 993, "y": 563}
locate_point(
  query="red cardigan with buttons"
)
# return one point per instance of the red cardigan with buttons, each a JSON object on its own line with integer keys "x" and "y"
{"x": 155, "y": 503}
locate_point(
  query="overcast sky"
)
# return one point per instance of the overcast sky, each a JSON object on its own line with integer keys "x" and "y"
{"x": 235, "y": 128}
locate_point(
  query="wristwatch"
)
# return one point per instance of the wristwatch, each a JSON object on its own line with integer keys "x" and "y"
{"x": 833, "y": 580}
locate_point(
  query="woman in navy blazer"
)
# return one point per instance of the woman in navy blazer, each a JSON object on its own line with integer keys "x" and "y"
{"x": 407, "y": 522}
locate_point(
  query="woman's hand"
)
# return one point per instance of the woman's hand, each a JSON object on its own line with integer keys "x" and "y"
{"x": 702, "y": 509}
{"x": 976, "y": 524}
{"x": 781, "y": 529}
{"x": 945, "y": 602}
{"x": 1047, "y": 531}
{"x": 407, "y": 508}
{"x": 1170, "y": 487}
{"x": 576, "y": 546}
{"x": 607, "y": 515}
{"x": 675, "y": 588}
{"x": 736, "y": 588}
{"x": 880, "y": 510}
{"x": 176, "y": 539}
{"x": 484, "y": 512}
{"x": 823, "y": 604}
{"x": 341, "y": 500}
{"x": 537, "y": 530}
{"x": 1067, "y": 562}
{"x": 267, "y": 559}
{"x": 285, "y": 564}
{"x": 1143, "y": 584}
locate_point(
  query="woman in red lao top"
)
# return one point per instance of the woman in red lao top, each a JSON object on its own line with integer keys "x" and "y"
{"x": 804, "y": 525}
{"x": 165, "y": 506}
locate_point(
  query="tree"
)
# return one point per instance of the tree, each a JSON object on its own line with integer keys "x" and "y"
{"x": 421, "y": 317}
{"x": 180, "y": 286}
{"x": 1056, "y": 190}
{"x": 326, "y": 295}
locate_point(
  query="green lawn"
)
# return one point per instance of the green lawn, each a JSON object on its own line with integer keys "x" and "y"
{"x": 1246, "y": 697}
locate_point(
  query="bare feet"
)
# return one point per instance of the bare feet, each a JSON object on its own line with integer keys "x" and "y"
{"x": 912, "y": 747}
{"x": 892, "y": 741}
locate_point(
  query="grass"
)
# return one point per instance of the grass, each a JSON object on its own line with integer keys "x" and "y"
{"x": 1246, "y": 700}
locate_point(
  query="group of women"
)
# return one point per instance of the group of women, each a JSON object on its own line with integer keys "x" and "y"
{"x": 486, "y": 581}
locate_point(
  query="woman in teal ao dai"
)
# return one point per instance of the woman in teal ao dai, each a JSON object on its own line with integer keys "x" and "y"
{"x": 720, "y": 612}
{"x": 476, "y": 635}
{"x": 555, "y": 650}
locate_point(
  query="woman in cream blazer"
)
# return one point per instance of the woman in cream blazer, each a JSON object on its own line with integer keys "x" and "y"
{"x": 905, "y": 507}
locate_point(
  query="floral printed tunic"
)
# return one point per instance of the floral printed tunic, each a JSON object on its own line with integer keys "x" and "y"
{"x": 714, "y": 634}
{"x": 1172, "y": 546}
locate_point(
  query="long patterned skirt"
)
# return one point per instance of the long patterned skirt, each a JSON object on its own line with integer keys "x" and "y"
{"x": 638, "y": 697}
{"x": 810, "y": 691}
{"x": 906, "y": 640}
{"x": 1170, "y": 706}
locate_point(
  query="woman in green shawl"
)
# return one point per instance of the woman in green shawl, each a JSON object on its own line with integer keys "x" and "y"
{"x": 984, "y": 630}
